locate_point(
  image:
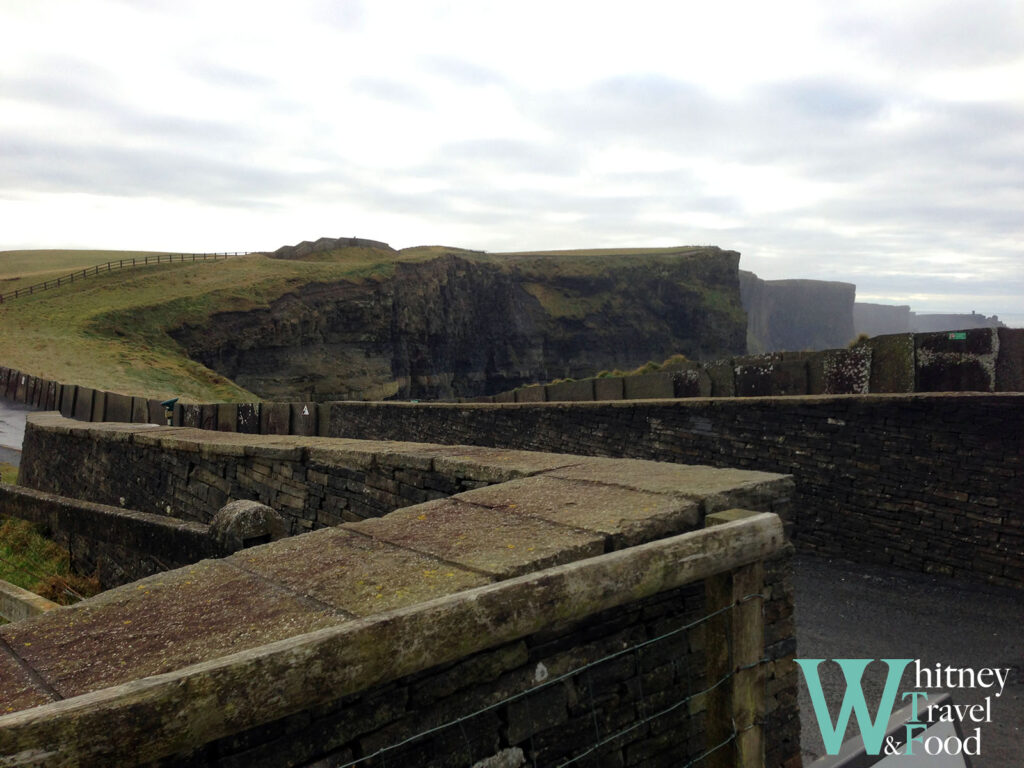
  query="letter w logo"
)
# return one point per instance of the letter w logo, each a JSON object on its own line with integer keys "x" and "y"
{"x": 872, "y": 730}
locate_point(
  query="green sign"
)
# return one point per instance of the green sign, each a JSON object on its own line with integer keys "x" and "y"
{"x": 958, "y": 335}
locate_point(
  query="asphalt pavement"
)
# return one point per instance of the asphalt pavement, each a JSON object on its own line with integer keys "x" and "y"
{"x": 850, "y": 611}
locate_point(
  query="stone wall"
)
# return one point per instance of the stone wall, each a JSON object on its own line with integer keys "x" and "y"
{"x": 560, "y": 604}
{"x": 977, "y": 360}
{"x": 928, "y": 482}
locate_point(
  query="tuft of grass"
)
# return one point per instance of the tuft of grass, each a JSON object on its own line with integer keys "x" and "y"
{"x": 33, "y": 562}
{"x": 8, "y": 473}
{"x": 862, "y": 338}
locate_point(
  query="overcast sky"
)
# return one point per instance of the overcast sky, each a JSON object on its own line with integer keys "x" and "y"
{"x": 880, "y": 143}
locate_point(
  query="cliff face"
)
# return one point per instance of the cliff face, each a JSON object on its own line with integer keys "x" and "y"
{"x": 796, "y": 314}
{"x": 880, "y": 319}
{"x": 459, "y": 325}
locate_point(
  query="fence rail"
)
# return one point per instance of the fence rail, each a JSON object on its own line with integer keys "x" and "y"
{"x": 110, "y": 266}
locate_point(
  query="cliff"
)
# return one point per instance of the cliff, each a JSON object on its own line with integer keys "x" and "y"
{"x": 440, "y": 323}
{"x": 880, "y": 319}
{"x": 796, "y": 314}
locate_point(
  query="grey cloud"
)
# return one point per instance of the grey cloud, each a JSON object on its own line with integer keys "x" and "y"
{"x": 960, "y": 32}
{"x": 462, "y": 72}
{"x": 510, "y": 155}
{"x": 389, "y": 90}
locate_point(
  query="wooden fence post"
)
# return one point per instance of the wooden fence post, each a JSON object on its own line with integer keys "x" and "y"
{"x": 734, "y": 648}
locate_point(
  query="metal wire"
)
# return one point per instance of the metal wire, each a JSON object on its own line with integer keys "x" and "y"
{"x": 584, "y": 668}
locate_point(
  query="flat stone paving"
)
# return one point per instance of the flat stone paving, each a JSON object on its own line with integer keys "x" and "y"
{"x": 543, "y": 509}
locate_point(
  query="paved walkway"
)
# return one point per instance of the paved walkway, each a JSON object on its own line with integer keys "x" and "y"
{"x": 845, "y": 610}
{"x": 12, "y": 431}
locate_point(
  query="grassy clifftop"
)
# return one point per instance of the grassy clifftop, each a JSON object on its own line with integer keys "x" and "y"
{"x": 112, "y": 331}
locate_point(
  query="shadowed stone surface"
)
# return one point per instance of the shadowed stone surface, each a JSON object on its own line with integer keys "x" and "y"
{"x": 241, "y": 523}
{"x": 487, "y": 540}
{"x": 624, "y": 515}
{"x": 714, "y": 488}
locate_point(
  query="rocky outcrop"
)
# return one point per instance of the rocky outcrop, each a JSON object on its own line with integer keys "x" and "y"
{"x": 465, "y": 325}
{"x": 308, "y": 248}
{"x": 796, "y": 314}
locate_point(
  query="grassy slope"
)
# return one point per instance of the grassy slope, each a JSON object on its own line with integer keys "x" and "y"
{"x": 109, "y": 331}
{"x": 20, "y": 269}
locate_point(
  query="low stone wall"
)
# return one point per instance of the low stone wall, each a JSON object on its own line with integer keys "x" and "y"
{"x": 927, "y": 482}
{"x": 556, "y": 604}
{"x": 116, "y": 545}
{"x": 975, "y": 360}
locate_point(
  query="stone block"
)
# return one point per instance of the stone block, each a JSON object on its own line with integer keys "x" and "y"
{"x": 1010, "y": 361}
{"x": 227, "y": 417}
{"x": 119, "y": 407}
{"x": 83, "y": 404}
{"x": 789, "y": 377}
{"x": 956, "y": 361}
{"x": 691, "y": 381}
{"x": 609, "y": 388}
{"x": 155, "y": 412}
{"x": 648, "y": 386}
{"x": 192, "y": 415}
{"x": 753, "y": 375}
{"x": 52, "y": 396}
{"x": 840, "y": 372}
{"x": 249, "y": 418}
{"x": 99, "y": 405}
{"x": 892, "y": 363}
{"x": 32, "y": 391}
{"x": 531, "y": 394}
{"x": 505, "y": 397}
{"x": 140, "y": 411}
{"x": 208, "y": 416}
{"x": 275, "y": 418}
{"x": 571, "y": 391}
{"x": 8, "y": 383}
{"x": 178, "y": 418}
{"x": 480, "y": 399}
{"x": 67, "y": 400}
{"x": 21, "y": 388}
{"x": 304, "y": 418}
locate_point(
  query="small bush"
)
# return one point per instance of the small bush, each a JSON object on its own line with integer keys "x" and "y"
{"x": 862, "y": 338}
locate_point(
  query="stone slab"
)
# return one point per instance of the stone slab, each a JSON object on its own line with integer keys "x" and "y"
{"x": 192, "y": 415}
{"x": 304, "y": 418}
{"x": 609, "y": 388}
{"x": 789, "y": 377}
{"x": 83, "y": 404}
{"x": 723, "y": 378}
{"x": 99, "y": 405}
{"x": 841, "y": 372}
{"x": 20, "y": 691}
{"x": 711, "y": 487}
{"x": 227, "y": 417}
{"x": 754, "y": 378}
{"x": 956, "y": 361}
{"x": 249, "y": 418}
{"x": 624, "y": 515}
{"x": 505, "y": 397}
{"x": 571, "y": 391}
{"x": 208, "y": 416}
{"x": 67, "y": 400}
{"x": 275, "y": 418}
{"x": 1010, "y": 362}
{"x": 892, "y": 363}
{"x": 490, "y": 541}
{"x": 354, "y": 573}
{"x": 155, "y": 412}
{"x": 535, "y": 394}
{"x": 650, "y": 386}
{"x": 691, "y": 381}
{"x": 140, "y": 410}
{"x": 119, "y": 408}
{"x": 158, "y": 624}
